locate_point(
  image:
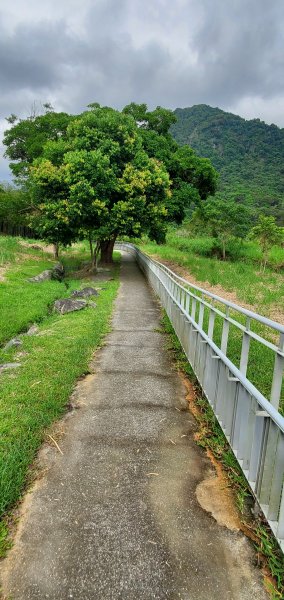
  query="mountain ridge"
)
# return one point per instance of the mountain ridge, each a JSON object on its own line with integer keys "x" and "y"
{"x": 248, "y": 154}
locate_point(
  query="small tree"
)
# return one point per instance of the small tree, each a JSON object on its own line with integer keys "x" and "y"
{"x": 225, "y": 219}
{"x": 267, "y": 233}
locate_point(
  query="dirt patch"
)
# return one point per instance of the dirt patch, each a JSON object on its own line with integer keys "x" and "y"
{"x": 213, "y": 493}
{"x": 2, "y": 273}
{"x": 49, "y": 249}
{"x": 215, "y": 496}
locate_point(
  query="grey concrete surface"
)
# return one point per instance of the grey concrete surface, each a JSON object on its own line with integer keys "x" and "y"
{"x": 116, "y": 516}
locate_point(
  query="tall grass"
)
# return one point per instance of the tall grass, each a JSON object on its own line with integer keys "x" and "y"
{"x": 243, "y": 278}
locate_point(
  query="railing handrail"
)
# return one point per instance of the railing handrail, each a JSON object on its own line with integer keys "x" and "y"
{"x": 245, "y": 311}
{"x": 252, "y": 424}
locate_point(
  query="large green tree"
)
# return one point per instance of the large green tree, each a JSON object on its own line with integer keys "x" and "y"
{"x": 106, "y": 173}
{"x": 99, "y": 180}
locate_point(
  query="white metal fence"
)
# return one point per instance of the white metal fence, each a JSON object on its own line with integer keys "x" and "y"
{"x": 251, "y": 423}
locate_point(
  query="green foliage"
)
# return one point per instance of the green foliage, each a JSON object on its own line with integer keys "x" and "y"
{"x": 268, "y": 234}
{"x": 224, "y": 219}
{"x": 15, "y": 205}
{"x": 247, "y": 154}
{"x": 158, "y": 120}
{"x": 104, "y": 183}
{"x": 26, "y": 138}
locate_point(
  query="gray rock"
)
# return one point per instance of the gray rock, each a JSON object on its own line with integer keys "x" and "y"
{"x": 67, "y": 305}
{"x": 57, "y": 273}
{"x": 13, "y": 342}
{"x": 44, "y": 276}
{"x": 33, "y": 330}
{"x": 9, "y": 366}
{"x": 85, "y": 292}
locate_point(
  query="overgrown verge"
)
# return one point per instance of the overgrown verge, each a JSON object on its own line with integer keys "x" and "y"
{"x": 36, "y": 394}
{"x": 240, "y": 276}
{"x": 211, "y": 438}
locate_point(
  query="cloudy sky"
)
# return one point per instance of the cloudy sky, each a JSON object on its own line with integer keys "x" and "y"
{"x": 175, "y": 53}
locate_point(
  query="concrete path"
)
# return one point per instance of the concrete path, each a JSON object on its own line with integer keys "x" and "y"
{"x": 116, "y": 517}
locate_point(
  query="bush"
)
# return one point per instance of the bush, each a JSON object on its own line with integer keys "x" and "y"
{"x": 276, "y": 257}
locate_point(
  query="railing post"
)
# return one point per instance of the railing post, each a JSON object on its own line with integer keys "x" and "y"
{"x": 245, "y": 348}
{"x": 278, "y": 375}
{"x": 225, "y": 332}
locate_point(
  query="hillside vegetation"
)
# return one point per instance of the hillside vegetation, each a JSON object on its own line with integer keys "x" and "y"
{"x": 247, "y": 154}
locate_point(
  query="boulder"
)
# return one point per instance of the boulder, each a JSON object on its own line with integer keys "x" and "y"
{"x": 85, "y": 293}
{"x": 67, "y": 305}
{"x": 57, "y": 273}
{"x": 13, "y": 342}
{"x": 44, "y": 276}
{"x": 33, "y": 330}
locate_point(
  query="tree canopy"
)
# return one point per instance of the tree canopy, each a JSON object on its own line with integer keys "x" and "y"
{"x": 106, "y": 173}
{"x": 26, "y": 138}
{"x": 223, "y": 219}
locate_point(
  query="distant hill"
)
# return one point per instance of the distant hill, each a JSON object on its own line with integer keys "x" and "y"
{"x": 249, "y": 155}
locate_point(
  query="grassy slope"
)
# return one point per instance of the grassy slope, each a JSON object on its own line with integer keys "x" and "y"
{"x": 264, "y": 293}
{"x": 36, "y": 394}
{"x": 21, "y": 302}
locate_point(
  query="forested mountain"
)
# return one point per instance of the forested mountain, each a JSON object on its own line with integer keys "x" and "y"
{"x": 249, "y": 155}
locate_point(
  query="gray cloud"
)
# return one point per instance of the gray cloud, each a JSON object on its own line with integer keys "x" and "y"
{"x": 117, "y": 51}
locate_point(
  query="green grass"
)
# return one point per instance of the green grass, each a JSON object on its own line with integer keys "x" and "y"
{"x": 212, "y": 438}
{"x": 9, "y": 247}
{"x": 263, "y": 291}
{"x": 22, "y": 302}
{"x": 35, "y": 395}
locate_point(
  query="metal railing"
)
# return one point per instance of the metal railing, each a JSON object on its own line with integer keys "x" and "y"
{"x": 251, "y": 423}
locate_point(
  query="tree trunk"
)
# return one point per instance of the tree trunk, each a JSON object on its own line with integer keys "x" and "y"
{"x": 106, "y": 248}
{"x": 91, "y": 247}
{"x": 95, "y": 256}
{"x": 224, "y": 250}
{"x": 56, "y": 250}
